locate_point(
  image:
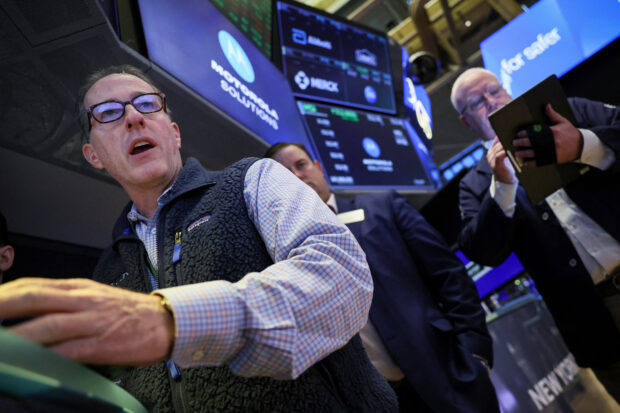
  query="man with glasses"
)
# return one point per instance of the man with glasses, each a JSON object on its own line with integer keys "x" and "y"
{"x": 256, "y": 289}
{"x": 569, "y": 243}
{"x": 426, "y": 331}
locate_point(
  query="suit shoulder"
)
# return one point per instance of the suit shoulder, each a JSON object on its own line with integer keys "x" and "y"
{"x": 376, "y": 198}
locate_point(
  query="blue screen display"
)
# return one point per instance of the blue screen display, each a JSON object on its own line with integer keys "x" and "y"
{"x": 489, "y": 279}
{"x": 195, "y": 43}
{"x": 331, "y": 61}
{"x": 417, "y": 104}
{"x": 362, "y": 150}
{"x": 551, "y": 37}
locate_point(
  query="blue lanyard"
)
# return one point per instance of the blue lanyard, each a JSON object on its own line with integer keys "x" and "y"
{"x": 175, "y": 373}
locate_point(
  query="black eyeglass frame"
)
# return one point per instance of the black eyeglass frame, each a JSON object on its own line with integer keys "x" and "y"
{"x": 89, "y": 112}
{"x": 482, "y": 99}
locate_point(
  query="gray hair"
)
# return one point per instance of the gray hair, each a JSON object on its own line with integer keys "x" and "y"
{"x": 458, "y": 83}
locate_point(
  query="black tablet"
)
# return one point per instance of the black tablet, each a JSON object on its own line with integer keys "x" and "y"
{"x": 527, "y": 109}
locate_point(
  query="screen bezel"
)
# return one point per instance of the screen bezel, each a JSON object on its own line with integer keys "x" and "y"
{"x": 358, "y": 189}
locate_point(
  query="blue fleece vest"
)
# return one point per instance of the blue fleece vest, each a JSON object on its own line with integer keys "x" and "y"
{"x": 219, "y": 241}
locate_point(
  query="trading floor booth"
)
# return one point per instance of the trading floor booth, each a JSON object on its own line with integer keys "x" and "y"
{"x": 239, "y": 76}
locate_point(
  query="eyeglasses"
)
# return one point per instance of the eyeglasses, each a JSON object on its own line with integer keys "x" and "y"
{"x": 111, "y": 110}
{"x": 476, "y": 102}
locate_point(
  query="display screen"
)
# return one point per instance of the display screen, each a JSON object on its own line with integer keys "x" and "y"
{"x": 551, "y": 37}
{"x": 195, "y": 43}
{"x": 252, "y": 17}
{"x": 467, "y": 158}
{"x": 328, "y": 60}
{"x": 363, "y": 150}
{"x": 488, "y": 279}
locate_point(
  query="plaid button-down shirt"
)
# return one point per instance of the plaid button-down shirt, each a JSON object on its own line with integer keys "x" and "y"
{"x": 287, "y": 317}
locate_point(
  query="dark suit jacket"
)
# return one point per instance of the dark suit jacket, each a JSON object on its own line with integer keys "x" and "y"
{"x": 425, "y": 307}
{"x": 535, "y": 235}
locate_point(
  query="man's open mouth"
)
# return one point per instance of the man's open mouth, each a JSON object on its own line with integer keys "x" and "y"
{"x": 141, "y": 146}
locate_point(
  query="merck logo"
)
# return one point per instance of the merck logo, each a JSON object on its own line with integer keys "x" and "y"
{"x": 236, "y": 56}
{"x": 303, "y": 82}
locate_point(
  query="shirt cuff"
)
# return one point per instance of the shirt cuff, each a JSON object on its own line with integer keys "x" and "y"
{"x": 504, "y": 195}
{"x": 595, "y": 152}
{"x": 208, "y": 319}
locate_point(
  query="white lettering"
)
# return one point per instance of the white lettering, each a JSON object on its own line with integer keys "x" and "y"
{"x": 341, "y": 180}
{"x": 243, "y": 100}
{"x": 337, "y": 155}
{"x": 378, "y": 165}
{"x": 324, "y": 84}
{"x": 538, "y": 399}
{"x": 546, "y": 389}
{"x": 325, "y": 44}
{"x": 542, "y": 43}
{"x": 258, "y": 106}
{"x": 332, "y": 144}
{"x": 513, "y": 64}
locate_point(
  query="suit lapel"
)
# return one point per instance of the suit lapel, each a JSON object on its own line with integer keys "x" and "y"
{"x": 345, "y": 204}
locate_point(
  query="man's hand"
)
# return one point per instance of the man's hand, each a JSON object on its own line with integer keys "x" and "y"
{"x": 568, "y": 140}
{"x": 88, "y": 321}
{"x": 500, "y": 164}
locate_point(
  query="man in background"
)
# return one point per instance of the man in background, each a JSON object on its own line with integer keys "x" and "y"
{"x": 7, "y": 253}
{"x": 426, "y": 331}
{"x": 569, "y": 242}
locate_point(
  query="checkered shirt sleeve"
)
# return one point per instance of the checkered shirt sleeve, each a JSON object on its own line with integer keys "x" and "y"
{"x": 282, "y": 320}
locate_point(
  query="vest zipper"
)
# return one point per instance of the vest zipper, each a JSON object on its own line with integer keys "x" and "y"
{"x": 176, "y": 388}
{"x": 176, "y": 258}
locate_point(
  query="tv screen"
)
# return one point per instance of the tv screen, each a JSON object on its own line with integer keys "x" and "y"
{"x": 551, "y": 37}
{"x": 195, "y": 43}
{"x": 366, "y": 151}
{"x": 489, "y": 279}
{"x": 329, "y": 60}
{"x": 253, "y": 18}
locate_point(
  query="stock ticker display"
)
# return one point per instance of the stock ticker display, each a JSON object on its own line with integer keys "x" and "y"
{"x": 328, "y": 60}
{"x": 252, "y": 17}
{"x": 363, "y": 150}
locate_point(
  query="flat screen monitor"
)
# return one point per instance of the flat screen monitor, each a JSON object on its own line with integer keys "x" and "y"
{"x": 253, "y": 18}
{"x": 489, "y": 279}
{"x": 195, "y": 43}
{"x": 465, "y": 159}
{"x": 329, "y": 60}
{"x": 551, "y": 37}
{"x": 366, "y": 151}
